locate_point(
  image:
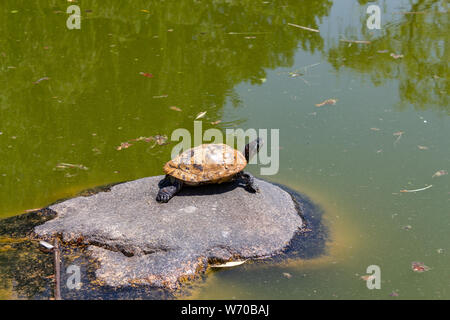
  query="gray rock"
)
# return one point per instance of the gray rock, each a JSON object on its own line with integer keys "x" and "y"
{"x": 137, "y": 240}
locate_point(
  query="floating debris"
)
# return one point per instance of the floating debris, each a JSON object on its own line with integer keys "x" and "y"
{"x": 242, "y": 33}
{"x": 294, "y": 74}
{"x": 161, "y": 96}
{"x": 124, "y": 145}
{"x": 439, "y": 173}
{"x": 408, "y": 227}
{"x": 375, "y": 129}
{"x": 356, "y": 41}
{"x": 200, "y": 115}
{"x": 41, "y": 79}
{"x": 396, "y": 56}
{"x": 328, "y": 101}
{"x": 368, "y": 277}
{"x": 145, "y": 74}
{"x": 63, "y": 165}
{"x": 216, "y": 122}
{"x": 229, "y": 264}
{"x": 175, "y": 108}
{"x": 287, "y": 275}
{"x": 422, "y": 147}
{"x": 419, "y": 267}
{"x": 158, "y": 140}
{"x": 399, "y": 135}
{"x": 146, "y": 139}
{"x": 417, "y": 190}
{"x": 302, "y": 27}
{"x": 393, "y": 294}
{"x": 410, "y": 12}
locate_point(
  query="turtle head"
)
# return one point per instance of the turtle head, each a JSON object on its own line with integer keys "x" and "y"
{"x": 252, "y": 148}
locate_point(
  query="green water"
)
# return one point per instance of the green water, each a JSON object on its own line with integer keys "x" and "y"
{"x": 234, "y": 59}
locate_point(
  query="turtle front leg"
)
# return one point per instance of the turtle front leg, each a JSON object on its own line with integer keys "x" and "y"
{"x": 249, "y": 181}
{"x": 168, "y": 188}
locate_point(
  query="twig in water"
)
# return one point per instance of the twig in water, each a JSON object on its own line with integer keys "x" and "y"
{"x": 57, "y": 270}
{"x": 247, "y": 33}
{"x": 417, "y": 190}
{"x": 305, "y": 81}
{"x": 398, "y": 135}
{"x": 310, "y": 66}
{"x": 302, "y": 27}
{"x": 356, "y": 41}
{"x": 410, "y": 12}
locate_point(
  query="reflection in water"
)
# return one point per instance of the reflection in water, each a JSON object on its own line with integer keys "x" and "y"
{"x": 420, "y": 38}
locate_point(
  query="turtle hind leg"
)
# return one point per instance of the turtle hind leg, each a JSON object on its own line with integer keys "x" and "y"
{"x": 168, "y": 188}
{"x": 249, "y": 182}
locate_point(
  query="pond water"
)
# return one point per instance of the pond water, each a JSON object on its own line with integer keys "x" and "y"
{"x": 70, "y": 98}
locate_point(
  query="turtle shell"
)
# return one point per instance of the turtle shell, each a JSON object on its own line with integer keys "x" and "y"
{"x": 207, "y": 163}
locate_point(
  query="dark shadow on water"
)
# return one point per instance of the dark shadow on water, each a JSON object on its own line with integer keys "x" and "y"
{"x": 309, "y": 242}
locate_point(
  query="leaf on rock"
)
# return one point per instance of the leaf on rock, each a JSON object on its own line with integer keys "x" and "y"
{"x": 228, "y": 264}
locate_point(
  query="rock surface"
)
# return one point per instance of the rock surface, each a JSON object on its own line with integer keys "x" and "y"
{"x": 137, "y": 240}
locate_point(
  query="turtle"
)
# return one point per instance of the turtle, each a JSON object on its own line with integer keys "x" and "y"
{"x": 206, "y": 164}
